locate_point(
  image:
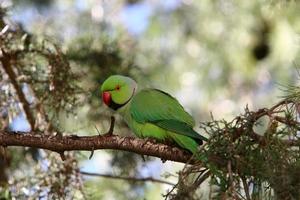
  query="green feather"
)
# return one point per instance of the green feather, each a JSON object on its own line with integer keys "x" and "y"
{"x": 180, "y": 128}
{"x": 185, "y": 142}
{"x": 152, "y": 105}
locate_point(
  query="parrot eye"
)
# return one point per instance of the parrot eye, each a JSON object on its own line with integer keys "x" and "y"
{"x": 117, "y": 87}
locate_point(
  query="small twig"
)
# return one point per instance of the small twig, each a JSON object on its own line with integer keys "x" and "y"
{"x": 143, "y": 158}
{"x": 3, "y": 152}
{"x": 289, "y": 122}
{"x": 97, "y": 130}
{"x": 133, "y": 179}
{"x": 92, "y": 153}
{"x": 267, "y": 111}
{"x": 231, "y": 181}
{"x": 170, "y": 192}
{"x": 229, "y": 171}
{"x": 281, "y": 103}
{"x": 246, "y": 188}
{"x": 204, "y": 175}
{"x": 62, "y": 155}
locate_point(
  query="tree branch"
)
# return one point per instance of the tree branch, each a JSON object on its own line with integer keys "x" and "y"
{"x": 246, "y": 188}
{"x": 133, "y": 179}
{"x": 60, "y": 144}
{"x": 6, "y": 63}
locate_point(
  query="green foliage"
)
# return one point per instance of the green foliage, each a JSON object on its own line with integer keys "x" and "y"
{"x": 52, "y": 179}
{"x": 41, "y": 65}
{"x": 235, "y": 155}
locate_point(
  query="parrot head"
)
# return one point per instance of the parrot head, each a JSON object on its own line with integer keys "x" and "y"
{"x": 117, "y": 91}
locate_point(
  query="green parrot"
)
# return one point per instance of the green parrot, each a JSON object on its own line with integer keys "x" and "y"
{"x": 151, "y": 113}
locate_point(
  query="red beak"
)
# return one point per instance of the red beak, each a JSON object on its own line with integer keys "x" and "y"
{"x": 106, "y": 97}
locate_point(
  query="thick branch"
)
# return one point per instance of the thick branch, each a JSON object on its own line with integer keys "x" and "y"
{"x": 90, "y": 143}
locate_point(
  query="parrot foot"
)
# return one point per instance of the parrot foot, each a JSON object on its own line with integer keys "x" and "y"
{"x": 111, "y": 128}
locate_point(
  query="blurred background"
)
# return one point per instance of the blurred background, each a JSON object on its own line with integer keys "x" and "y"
{"x": 216, "y": 57}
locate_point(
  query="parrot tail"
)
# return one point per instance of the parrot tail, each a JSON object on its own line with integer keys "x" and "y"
{"x": 185, "y": 142}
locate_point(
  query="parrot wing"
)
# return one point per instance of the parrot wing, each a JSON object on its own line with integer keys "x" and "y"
{"x": 180, "y": 128}
{"x": 163, "y": 110}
